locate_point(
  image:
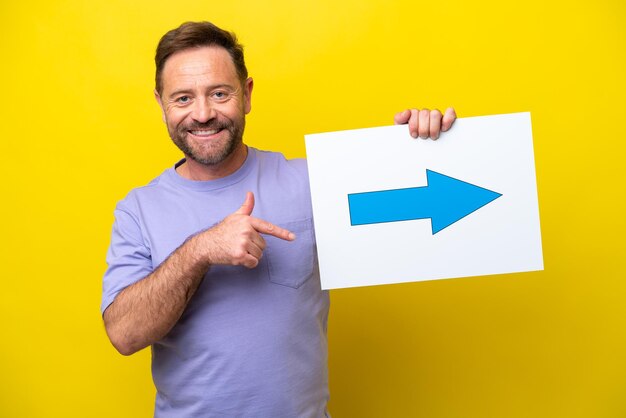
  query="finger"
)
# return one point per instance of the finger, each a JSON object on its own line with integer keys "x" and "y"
{"x": 250, "y": 261}
{"x": 258, "y": 240}
{"x": 435, "y": 123}
{"x": 448, "y": 119}
{"x": 424, "y": 122}
{"x": 248, "y": 205}
{"x": 402, "y": 117}
{"x": 254, "y": 250}
{"x": 413, "y": 122}
{"x": 243, "y": 257}
{"x": 270, "y": 229}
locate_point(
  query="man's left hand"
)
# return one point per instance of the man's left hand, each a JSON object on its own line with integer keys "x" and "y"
{"x": 426, "y": 123}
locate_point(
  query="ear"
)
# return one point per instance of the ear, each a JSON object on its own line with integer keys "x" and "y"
{"x": 157, "y": 96}
{"x": 247, "y": 94}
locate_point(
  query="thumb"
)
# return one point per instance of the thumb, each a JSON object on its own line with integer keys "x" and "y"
{"x": 401, "y": 118}
{"x": 248, "y": 205}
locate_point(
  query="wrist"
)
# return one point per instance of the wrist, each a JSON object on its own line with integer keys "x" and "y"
{"x": 198, "y": 250}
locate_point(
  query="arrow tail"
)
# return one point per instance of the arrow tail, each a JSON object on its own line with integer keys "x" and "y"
{"x": 387, "y": 206}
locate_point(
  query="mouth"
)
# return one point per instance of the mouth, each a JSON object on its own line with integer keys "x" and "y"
{"x": 204, "y": 133}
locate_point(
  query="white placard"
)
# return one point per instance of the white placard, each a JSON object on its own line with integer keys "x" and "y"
{"x": 489, "y": 154}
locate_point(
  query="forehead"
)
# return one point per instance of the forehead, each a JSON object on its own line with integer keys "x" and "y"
{"x": 198, "y": 66}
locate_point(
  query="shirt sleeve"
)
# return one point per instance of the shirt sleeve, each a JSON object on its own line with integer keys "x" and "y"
{"x": 128, "y": 257}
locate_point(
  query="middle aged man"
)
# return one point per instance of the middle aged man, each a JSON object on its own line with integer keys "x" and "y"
{"x": 230, "y": 303}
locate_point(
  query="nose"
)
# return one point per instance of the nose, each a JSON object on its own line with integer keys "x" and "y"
{"x": 203, "y": 111}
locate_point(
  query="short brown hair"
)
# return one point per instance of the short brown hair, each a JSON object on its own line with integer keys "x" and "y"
{"x": 195, "y": 35}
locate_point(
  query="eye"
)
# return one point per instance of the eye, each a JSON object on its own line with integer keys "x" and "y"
{"x": 220, "y": 95}
{"x": 183, "y": 99}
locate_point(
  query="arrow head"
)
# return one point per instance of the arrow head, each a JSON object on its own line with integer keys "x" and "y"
{"x": 454, "y": 199}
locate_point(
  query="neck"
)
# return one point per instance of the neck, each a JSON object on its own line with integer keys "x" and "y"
{"x": 193, "y": 170}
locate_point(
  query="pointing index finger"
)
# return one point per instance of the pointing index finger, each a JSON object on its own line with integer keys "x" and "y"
{"x": 268, "y": 228}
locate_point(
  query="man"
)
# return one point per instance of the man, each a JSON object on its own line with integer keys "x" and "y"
{"x": 230, "y": 303}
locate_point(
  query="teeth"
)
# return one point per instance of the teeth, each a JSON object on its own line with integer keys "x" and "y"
{"x": 211, "y": 132}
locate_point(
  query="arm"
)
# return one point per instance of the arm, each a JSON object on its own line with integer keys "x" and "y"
{"x": 146, "y": 311}
{"x": 426, "y": 123}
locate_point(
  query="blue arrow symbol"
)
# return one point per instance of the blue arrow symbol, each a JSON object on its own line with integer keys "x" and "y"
{"x": 444, "y": 200}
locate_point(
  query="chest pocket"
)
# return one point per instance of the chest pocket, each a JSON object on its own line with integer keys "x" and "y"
{"x": 291, "y": 263}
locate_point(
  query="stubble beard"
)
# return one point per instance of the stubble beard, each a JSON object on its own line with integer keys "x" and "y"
{"x": 212, "y": 153}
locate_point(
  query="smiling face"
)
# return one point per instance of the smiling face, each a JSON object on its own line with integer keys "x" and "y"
{"x": 204, "y": 104}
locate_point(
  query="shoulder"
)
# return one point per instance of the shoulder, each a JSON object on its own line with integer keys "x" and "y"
{"x": 283, "y": 188}
{"x": 132, "y": 202}
{"x": 276, "y": 162}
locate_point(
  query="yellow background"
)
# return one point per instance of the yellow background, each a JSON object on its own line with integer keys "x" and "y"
{"x": 80, "y": 129}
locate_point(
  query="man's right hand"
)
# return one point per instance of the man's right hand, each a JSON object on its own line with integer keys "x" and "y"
{"x": 237, "y": 239}
{"x": 146, "y": 311}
